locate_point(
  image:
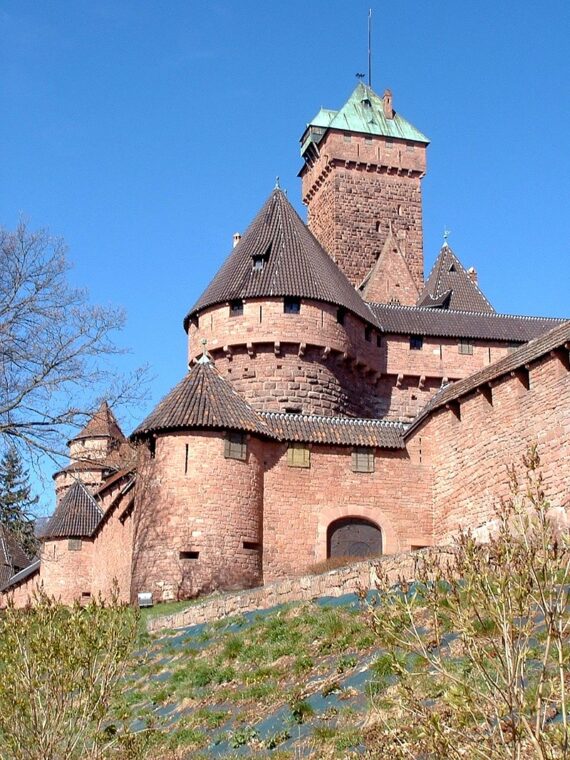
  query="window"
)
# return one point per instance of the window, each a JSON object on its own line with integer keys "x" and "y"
{"x": 189, "y": 555}
{"x": 298, "y": 455}
{"x": 291, "y": 305}
{"x": 368, "y": 140}
{"x": 236, "y": 308}
{"x": 235, "y": 446}
{"x": 346, "y": 137}
{"x": 368, "y": 333}
{"x": 378, "y": 340}
{"x": 74, "y": 545}
{"x": 363, "y": 459}
{"x": 259, "y": 260}
{"x": 186, "y": 452}
{"x": 409, "y": 146}
{"x": 251, "y": 546}
{"x": 513, "y": 347}
{"x": 416, "y": 342}
{"x": 152, "y": 447}
{"x": 340, "y": 315}
{"x": 465, "y": 346}
{"x": 389, "y": 143}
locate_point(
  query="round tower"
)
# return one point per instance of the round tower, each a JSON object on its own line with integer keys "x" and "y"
{"x": 283, "y": 323}
{"x": 98, "y": 449}
{"x": 198, "y": 520}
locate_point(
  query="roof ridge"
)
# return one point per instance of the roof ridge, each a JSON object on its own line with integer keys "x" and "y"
{"x": 486, "y": 314}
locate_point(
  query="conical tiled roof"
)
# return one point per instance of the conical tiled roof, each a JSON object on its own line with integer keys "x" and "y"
{"x": 12, "y": 556}
{"x": 294, "y": 264}
{"x": 449, "y": 286}
{"x": 103, "y": 424}
{"x": 77, "y": 515}
{"x": 202, "y": 400}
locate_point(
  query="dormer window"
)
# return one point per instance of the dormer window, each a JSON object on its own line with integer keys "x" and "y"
{"x": 236, "y": 308}
{"x": 291, "y": 305}
{"x": 259, "y": 260}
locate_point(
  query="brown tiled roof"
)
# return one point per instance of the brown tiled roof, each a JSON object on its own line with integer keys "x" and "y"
{"x": 415, "y": 320}
{"x": 204, "y": 399}
{"x": 296, "y": 264}
{"x": 12, "y": 556}
{"x": 343, "y": 431}
{"x": 102, "y": 424}
{"x": 535, "y": 349}
{"x": 23, "y": 575}
{"x": 77, "y": 515}
{"x": 449, "y": 284}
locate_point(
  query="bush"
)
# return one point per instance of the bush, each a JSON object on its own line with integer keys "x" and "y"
{"x": 480, "y": 642}
{"x": 60, "y": 674}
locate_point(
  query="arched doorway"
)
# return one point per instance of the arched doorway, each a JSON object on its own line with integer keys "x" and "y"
{"x": 353, "y": 537}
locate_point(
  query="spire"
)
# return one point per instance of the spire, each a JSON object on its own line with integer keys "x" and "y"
{"x": 102, "y": 424}
{"x": 203, "y": 399}
{"x": 450, "y": 285}
{"x": 278, "y": 256}
{"x": 77, "y": 515}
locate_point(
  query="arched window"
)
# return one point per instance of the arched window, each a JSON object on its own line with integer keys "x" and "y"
{"x": 354, "y": 537}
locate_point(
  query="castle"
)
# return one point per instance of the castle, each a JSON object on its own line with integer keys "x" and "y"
{"x": 336, "y": 402}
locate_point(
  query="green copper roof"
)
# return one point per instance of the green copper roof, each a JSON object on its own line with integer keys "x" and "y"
{"x": 363, "y": 112}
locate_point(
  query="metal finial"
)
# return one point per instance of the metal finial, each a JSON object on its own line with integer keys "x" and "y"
{"x": 446, "y": 234}
{"x": 370, "y": 47}
{"x": 277, "y": 185}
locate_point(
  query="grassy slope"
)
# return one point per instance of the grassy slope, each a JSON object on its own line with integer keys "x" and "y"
{"x": 290, "y": 682}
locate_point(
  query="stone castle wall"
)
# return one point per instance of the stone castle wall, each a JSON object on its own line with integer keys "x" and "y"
{"x": 470, "y": 455}
{"x": 300, "y": 504}
{"x": 66, "y": 573}
{"x": 307, "y": 361}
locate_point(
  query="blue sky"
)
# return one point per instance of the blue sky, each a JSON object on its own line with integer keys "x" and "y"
{"x": 147, "y": 133}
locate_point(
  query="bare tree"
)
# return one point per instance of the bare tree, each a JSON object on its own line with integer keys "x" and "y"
{"x": 54, "y": 345}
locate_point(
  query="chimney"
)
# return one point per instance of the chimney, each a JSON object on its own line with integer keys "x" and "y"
{"x": 472, "y": 272}
{"x": 236, "y": 238}
{"x": 387, "y": 101}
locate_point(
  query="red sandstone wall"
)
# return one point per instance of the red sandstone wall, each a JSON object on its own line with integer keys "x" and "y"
{"x": 356, "y": 184}
{"x": 307, "y": 361}
{"x": 301, "y": 503}
{"x": 213, "y": 509}
{"x": 22, "y": 593}
{"x": 65, "y": 574}
{"x": 470, "y": 456}
{"x": 113, "y": 548}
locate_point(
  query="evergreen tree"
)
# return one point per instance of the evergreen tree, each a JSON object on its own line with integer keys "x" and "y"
{"x": 16, "y": 501}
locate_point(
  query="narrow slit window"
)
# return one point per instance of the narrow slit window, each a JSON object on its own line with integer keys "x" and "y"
{"x": 363, "y": 459}
{"x": 340, "y": 315}
{"x": 368, "y": 333}
{"x": 189, "y": 555}
{"x": 186, "y": 451}
{"x": 251, "y": 546}
{"x": 152, "y": 447}
{"x": 236, "y": 446}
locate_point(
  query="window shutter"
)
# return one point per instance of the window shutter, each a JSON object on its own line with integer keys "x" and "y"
{"x": 363, "y": 459}
{"x": 298, "y": 455}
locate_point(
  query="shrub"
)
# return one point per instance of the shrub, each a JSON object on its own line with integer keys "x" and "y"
{"x": 480, "y": 642}
{"x": 60, "y": 674}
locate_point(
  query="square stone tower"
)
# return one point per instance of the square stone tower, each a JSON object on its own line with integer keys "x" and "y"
{"x": 361, "y": 178}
